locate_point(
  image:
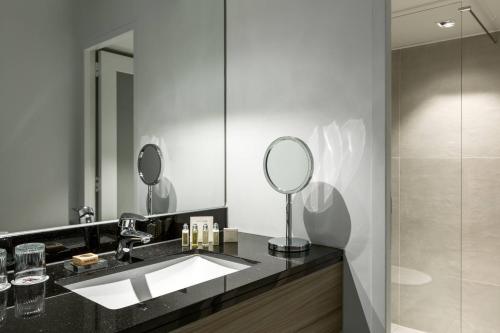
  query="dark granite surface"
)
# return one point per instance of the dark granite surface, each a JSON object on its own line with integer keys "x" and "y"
{"x": 65, "y": 311}
{"x": 63, "y": 243}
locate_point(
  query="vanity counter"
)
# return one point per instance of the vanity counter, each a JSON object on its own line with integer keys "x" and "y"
{"x": 66, "y": 311}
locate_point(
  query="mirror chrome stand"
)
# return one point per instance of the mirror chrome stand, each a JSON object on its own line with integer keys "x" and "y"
{"x": 150, "y": 167}
{"x": 289, "y": 243}
{"x": 149, "y": 200}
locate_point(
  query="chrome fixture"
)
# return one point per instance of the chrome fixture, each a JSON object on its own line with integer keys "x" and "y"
{"x": 469, "y": 9}
{"x": 150, "y": 167}
{"x": 85, "y": 214}
{"x": 288, "y": 168}
{"x": 129, "y": 236}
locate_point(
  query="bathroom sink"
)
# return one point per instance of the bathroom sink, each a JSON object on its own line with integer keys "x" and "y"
{"x": 119, "y": 290}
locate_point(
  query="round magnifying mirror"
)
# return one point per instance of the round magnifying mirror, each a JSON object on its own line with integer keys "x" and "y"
{"x": 150, "y": 165}
{"x": 288, "y": 167}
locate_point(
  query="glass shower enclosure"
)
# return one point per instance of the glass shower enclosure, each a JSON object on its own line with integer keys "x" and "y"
{"x": 445, "y": 251}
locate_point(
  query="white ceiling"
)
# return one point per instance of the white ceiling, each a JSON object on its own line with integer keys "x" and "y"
{"x": 414, "y": 21}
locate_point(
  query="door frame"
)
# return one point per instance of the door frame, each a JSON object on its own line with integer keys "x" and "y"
{"x": 110, "y": 63}
{"x": 90, "y": 86}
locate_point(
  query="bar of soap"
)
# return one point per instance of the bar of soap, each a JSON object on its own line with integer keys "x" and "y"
{"x": 230, "y": 235}
{"x": 85, "y": 259}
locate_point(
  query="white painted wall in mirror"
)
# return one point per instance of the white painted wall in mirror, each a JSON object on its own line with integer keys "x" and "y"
{"x": 178, "y": 87}
{"x": 180, "y": 57}
{"x": 40, "y": 108}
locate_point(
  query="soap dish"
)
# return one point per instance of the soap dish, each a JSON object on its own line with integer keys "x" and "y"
{"x": 102, "y": 263}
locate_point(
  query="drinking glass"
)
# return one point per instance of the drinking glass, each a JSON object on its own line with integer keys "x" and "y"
{"x": 4, "y": 283}
{"x": 30, "y": 264}
{"x": 29, "y": 300}
{"x": 4, "y": 295}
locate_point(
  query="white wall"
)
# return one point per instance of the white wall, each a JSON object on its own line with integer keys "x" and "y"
{"x": 316, "y": 70}
{"x": 178, "y": 102}
{"x": 179, "y": 91}
{"x": 40, "y": 107}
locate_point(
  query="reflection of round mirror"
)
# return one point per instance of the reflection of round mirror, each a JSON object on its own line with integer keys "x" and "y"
{"x": 149, "y": 164}
{"x": 288, "y": 165}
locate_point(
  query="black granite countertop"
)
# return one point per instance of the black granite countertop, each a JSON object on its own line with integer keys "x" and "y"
{"x": 65, "y": 311}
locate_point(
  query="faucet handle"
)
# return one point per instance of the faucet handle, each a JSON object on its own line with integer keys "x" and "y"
{"x": 127, "y": 220}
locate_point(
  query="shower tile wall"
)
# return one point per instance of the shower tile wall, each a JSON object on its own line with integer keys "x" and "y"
{"x": 395, "y": 188}
{"x": 481, "y": 186}
{"x": 429, "y": 141}
{"x": 446, "y": 186}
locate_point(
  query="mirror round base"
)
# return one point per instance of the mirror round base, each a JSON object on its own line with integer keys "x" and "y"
{"x": 296, "y": 245}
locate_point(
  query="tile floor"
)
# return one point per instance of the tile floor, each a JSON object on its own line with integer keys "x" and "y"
{"x": 401, "y": 329}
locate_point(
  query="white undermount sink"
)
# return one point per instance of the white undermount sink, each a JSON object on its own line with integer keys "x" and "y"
{"x": 119, "y": 290}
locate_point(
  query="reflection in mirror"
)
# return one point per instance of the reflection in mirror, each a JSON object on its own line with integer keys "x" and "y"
{"x": 29, "y": 301}
{"x": 113, "y": 127}
{"x": 150, "y": 165}
{"x": 4, "y": 296}
{"x": 288, "y": 167}
{"x": 153, "y": 72}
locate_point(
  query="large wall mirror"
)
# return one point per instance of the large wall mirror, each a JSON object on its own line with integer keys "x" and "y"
{"x": 85, "y": 85}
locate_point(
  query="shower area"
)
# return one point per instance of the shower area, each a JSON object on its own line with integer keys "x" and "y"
{"x": 445, "y": 166}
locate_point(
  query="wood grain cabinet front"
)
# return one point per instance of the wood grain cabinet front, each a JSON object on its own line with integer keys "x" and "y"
{"x": 312, "y": 303}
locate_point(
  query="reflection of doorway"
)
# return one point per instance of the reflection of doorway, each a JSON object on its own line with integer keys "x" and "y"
{"x": 109, "y": 160}
{"x": 114, "y": 118}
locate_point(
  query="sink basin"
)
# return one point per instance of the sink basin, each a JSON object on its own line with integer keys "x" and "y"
{"x": 119, "y": 290}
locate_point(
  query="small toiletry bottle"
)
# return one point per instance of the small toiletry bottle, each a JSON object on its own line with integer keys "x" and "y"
{"x": 185, "y": 235}
{"x": 205, "y": 234}
{"x": 216, "y": 234}
{"x": 194, "y": 236}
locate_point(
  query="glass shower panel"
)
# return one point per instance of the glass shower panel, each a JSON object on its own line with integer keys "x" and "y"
{"x": 427, "y": 169}
{"x": 480, "y": 179}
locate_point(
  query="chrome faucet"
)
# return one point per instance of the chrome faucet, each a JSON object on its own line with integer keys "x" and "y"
{"x": 86, "y": 214}
{"x": 129, "y": 236}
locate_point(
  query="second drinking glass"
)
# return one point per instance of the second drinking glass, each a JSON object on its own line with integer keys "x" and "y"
{"x": 4, "y": 283}
{"x": 30, "y": 264}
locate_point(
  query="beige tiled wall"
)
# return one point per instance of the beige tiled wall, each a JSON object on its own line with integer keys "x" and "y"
{"x": 429, "y": 185}
{"x": 446, "y": 185}
{"x": 481, "y": 186}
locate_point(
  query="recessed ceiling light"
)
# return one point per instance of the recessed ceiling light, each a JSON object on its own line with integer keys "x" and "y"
{"x": 446, "y": 24}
